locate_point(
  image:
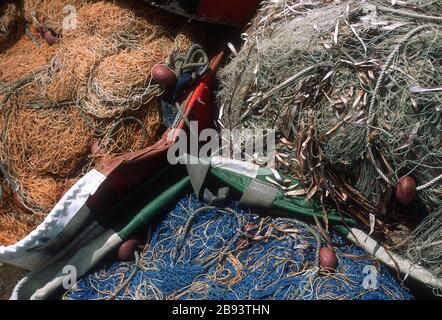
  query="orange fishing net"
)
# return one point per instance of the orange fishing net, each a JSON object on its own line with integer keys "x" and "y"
{"x": 50, "y": 13}
{"x": 48, "y": 141}
{"x": 22, "y": 59}
{"x": 87, "y": 98}
{"x": 130, "y": 133}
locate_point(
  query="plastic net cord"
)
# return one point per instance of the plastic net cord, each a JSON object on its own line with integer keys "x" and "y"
{"x": 228, "y": 247}
{"x": 129, "y": 278}
{"x": 187, "y": 226}
{"x": 46, "y": 81}
{"x": 218, "y": 256}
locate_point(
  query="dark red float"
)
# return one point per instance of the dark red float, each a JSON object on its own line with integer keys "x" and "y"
{"x": 163, "y": 75}
{"x": 127, "y": 249}
{"x": 327, "y": 259}
{"x": 49, "y": 36}
{"x": 406, "y": 190}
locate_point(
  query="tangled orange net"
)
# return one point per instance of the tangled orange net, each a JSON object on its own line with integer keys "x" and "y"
{"x": 15, "y": 223}
{"x": 69, "y": 104}
{"x": 25, "y": 147}
{"x": 50, "y": 13}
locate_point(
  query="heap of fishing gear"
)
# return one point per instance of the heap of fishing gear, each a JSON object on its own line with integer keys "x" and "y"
{"x": 354, "y": 90}
{"x": 73, "y": 93}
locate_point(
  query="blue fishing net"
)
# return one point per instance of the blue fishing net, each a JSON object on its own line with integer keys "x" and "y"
{"x": 199, "y": 252}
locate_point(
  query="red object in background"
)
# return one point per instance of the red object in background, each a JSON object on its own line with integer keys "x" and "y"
{"x": 228, "y": 11}
{"x": 200, "y": 103}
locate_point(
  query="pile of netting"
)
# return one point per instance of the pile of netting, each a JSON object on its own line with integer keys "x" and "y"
{"x": 200, "y": 252}
{"x": 354, "y": 90}
{"x": 75, "y": 90}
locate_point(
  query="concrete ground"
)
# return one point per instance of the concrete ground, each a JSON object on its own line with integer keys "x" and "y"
{"x": 9, "y": 276}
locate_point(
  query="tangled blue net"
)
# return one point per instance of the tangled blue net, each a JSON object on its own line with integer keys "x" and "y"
{"x": 199, "y": 252}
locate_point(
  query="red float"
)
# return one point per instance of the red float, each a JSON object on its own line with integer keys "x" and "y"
{"x": 406, "y": 190}
{"x": 163, "y": 75}
{"x": 127, "y": 249}
{"x": 327, "y": 259}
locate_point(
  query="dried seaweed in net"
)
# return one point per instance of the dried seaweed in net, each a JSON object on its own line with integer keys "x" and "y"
{"x": 404, "y": 136}
{"x": 393, "y": 69}
{"x": 317, "y": 89}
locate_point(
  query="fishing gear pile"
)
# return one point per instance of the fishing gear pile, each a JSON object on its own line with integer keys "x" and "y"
{"x": 75, "y": 89}
{"x": 354, "y": 90}
{"x": 203, "y": 252}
